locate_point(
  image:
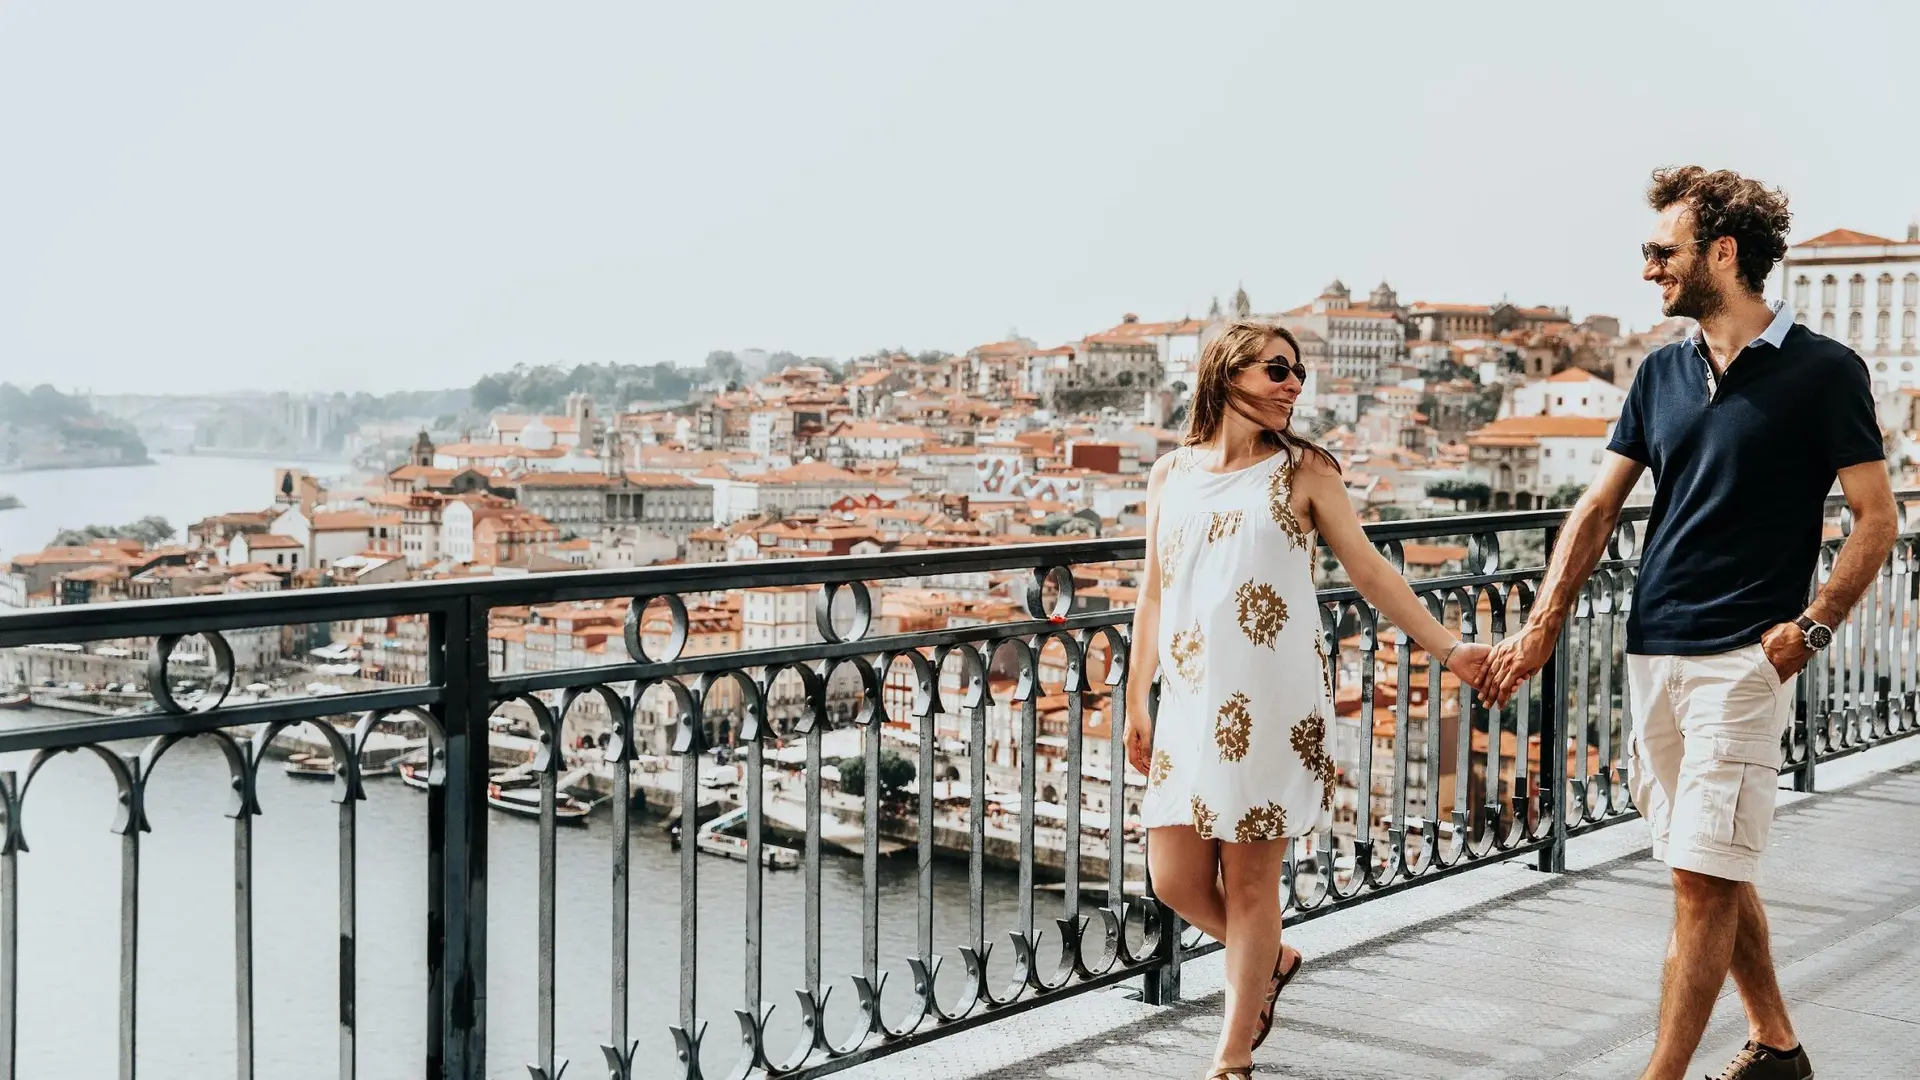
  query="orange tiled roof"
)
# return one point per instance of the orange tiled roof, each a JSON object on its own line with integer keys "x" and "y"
{"x": 1843, "y": 237}
{"x": 1562, "y": 427}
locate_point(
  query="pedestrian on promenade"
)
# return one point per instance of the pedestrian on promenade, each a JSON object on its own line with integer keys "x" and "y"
{"x": 1238, "y": 760}
{"x": 1745, "y": 424}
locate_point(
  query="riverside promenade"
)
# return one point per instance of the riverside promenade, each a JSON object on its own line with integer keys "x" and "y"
{"x": 1518, "y": 975}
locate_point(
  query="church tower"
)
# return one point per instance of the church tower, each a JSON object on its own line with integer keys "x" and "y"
{"x": 612, "y": 454}
{"x": 1242, "y": 307}
{"x": 423, "y": 450}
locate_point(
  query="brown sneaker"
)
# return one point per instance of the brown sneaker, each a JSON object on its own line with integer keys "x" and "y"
{"x": 1756, "y": 1062}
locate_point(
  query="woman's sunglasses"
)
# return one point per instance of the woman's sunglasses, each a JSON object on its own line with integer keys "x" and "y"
{"x": 1278, "y": 370}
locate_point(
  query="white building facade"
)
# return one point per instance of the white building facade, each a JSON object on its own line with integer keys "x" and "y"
{"x": 1863, "y": 290}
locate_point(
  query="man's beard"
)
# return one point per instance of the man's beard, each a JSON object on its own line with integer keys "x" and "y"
{"x": 1698, "y": 298}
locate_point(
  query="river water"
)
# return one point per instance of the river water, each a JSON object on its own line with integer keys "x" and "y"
{"x": 183, "y": 489}
{"x": 69, "y": 937}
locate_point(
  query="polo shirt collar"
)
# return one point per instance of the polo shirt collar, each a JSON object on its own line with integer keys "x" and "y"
{"x": 1775, "y": 334}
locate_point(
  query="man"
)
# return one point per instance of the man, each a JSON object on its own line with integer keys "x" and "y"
{"x": 1745, "y": 425}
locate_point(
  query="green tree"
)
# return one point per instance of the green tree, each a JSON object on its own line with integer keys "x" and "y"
{"x": 896, "y": 772}
{"x": 1566, "y": 495}
{"x": 1472, "y": 493}
{"x": 151, "y": 531}
{"x": 721, "y": 364}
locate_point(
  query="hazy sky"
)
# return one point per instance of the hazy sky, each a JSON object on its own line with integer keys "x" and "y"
{"x": 407, "y": 195}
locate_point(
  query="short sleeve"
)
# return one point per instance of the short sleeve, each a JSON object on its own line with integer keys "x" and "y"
{"x": 1630, "y": 431}
{"x": 1852, "y": 430}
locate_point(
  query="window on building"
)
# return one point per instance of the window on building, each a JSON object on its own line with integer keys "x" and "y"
{"x": 1906, "y": 325}
{"x": 1826, "y": 323}
{"x": 1801, "y": 286}
{"x": 1910, "y": 291}
{"x": 1883, "y": 324}
{"x": 1853, "y": 326}
{"x": 1857, "y": 291}
{"x": 1885, "y": 290}
{"x": 1800, "y": 317}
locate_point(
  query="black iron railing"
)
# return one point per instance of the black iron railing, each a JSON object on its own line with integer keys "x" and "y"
{"x": 1432, "y": 784}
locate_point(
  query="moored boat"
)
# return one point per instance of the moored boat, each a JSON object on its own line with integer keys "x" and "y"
{"x": 525, "y": 802}
{"x": 716, "y": 838}
{"x": 304, "y": 766}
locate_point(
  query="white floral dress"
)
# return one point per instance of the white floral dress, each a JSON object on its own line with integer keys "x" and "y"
{"x": 1240, "y": 743}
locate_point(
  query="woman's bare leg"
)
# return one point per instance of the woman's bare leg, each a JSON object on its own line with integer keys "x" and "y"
{"x": 1250, "y": 876}
{"x": 1186, "y": 877}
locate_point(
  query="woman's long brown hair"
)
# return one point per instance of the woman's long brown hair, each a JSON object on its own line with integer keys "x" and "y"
{"x": 1228, "y": 354}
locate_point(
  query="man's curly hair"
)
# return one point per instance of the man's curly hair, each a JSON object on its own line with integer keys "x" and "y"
{"x": 1724, "y": 203}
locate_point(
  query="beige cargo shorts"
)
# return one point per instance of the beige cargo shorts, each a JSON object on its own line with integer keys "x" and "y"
{"x": 1704, "y": 758}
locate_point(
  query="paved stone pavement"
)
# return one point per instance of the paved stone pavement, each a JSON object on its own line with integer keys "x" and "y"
{"x": 1560, "y": 978}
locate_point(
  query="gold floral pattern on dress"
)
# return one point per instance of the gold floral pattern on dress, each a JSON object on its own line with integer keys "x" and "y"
{"x": 1189, "y": 649}
{"x": 1280, "y": 503}
{"x": 1309, "y": 739}
{"x": 1262, "y": 612}
{"x": 1267, "y": 822}
{"x": 1203, "y": 819}
{"x": 1233, "y": 727}
{"x": 1162, "y": 768}
{"x": 1222, "y": 524}
{"x": 1171, "y": 541}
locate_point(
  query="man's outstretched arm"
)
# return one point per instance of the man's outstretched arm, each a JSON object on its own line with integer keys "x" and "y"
{"x": 1582, "y": 541}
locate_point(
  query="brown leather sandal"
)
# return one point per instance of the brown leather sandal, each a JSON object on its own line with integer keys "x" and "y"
{"x": 1281, "y": 977}
{"x": 1232, "y": 1072}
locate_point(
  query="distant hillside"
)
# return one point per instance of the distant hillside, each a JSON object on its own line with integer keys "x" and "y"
{"x": 544, "y": 389}
{"x": 45, "y": 429}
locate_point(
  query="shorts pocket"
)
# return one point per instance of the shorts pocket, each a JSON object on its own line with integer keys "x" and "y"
{"x": 1746, "y": 781}
{"x": 1767, "y": 671}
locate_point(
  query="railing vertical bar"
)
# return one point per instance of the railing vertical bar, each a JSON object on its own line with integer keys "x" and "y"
{"x": 923, "y": 919}
{"x": 818, "y": 723}
{"x": 546, "y": 914}
{"x": 622, "y": 898}
{"x": 1117, "y": 790}
{"x": 1582, "y": 723}
{"x": 348, "y": 990}
{"x": 1029, "y": 765}
{"x": 870, "y": 854}
{"x": 1363, "y": 777}
{"x": 1402, "y": 734}
{"x": 692, "y": 741}
{"x": 1436, "y": 733}
{"x": 1076, "y": 738}
{"x": 977, "y": 817}
{"x": 243, "y": 943}
{"x": 130, "y": 920}
{"x": 460, "y": 990}
{"x": 1604, "y": 729}
{"x": 9, "y": 928}
{"x": 1553, "y": 746}
{"x": 756, "y": 885}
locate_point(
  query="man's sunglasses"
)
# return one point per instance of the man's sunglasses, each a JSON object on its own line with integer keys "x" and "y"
{"x": 1658, "y": 254}
{"x": 1278, "y": 370}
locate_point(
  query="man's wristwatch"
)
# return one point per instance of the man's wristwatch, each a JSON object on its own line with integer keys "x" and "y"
{"x": 1815, "y": 635}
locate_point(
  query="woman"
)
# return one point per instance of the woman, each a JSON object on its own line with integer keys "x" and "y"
{"x": 1239, "y": 759}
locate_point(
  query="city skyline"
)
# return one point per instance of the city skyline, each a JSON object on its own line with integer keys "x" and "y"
{"x": 283, "y": 200}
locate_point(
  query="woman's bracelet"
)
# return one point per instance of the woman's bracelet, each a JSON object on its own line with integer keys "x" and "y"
{"x": 1449, "y": 653}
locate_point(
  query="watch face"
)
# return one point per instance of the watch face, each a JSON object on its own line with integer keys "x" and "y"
{"x": 1819, "y": 637}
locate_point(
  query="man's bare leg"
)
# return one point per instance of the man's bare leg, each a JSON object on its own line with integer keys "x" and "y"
{"x": 1767, "y": 1022}
{"x": 1705, "y": 926}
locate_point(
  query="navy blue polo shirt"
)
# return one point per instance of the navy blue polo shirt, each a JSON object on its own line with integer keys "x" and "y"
{"x": 1741, "y": 472}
